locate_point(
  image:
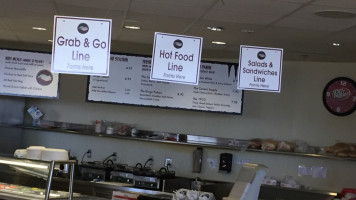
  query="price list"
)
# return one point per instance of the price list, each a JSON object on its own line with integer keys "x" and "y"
{"x": 129, "y": 83}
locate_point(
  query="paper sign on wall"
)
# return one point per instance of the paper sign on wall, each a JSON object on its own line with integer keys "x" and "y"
{"x": 176, "y": 58}
{"x": 260, "y": 69}
{"x": 81, "y": 45}
{"x": 27, "y": 74}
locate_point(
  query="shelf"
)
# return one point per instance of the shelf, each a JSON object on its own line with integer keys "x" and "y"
{"x": 161, "y": 137}
{"x": 311, "y": 155}
{"x": 180, "y": 139}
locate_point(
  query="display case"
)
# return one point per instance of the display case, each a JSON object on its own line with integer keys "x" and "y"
{"x": 17, "y": 168}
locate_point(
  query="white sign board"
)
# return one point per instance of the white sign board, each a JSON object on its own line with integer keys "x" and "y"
{"x": 27, "y": 74}
{"x": 81, "y": 45}
{"x": 176, "y": 58}
{"x": 260, "y": 69}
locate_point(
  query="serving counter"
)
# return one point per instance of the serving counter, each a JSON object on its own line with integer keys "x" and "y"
{"x": 16, "y": 183}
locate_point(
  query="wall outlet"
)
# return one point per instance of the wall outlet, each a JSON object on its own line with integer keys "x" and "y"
{"x": 168, "y": 162}
{"x": 89, "y": 153}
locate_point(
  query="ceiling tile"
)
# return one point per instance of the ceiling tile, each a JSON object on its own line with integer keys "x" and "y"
{"x": 141, "y": 36}
{"x": 79, "y": 11}
{"x": 295, "y": 1}
{"x": 43, "y": 6}
{"x": 337, "y": 4}
{"x": 344, "y": 37}
{"x": 157, "y": 23}
{"x": 183, "y": 8}
{"x": 252, "y": 11}
{"x": 102, "y": 4}
{"x": 288, "y": 37}
{"x": 3, "y": 26}
{"x": 228, "y": 27}
{"x": 21, "y": 21}
{"x": 7, "y": 35}
{"x": 40, "y": 37}
{"x": 306, "y": 19}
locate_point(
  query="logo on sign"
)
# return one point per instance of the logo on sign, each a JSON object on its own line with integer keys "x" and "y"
{"x": 44, "y": 77}
{"x": 261, "y": 55}
{"x": 178, "y": 44}
{"x": 341, "y": 94}
{"x": 83, "y": 28}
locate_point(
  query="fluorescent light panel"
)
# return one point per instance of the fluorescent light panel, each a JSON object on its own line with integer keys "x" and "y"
{"x": 218, "y": 42}
{"x": 132, "y": 27}
{"x": 215, "y": 28}
{"x": 335, "y": 44}
{"x": 39, "y": 28}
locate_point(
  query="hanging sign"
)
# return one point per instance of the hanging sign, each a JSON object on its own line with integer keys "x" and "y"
{"x": 260, "y": 69}
{"x": 81, "y": 45}
{"x": 176, "y": 58}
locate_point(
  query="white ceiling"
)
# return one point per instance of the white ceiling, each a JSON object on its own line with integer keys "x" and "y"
{"x": 288, "y": 24}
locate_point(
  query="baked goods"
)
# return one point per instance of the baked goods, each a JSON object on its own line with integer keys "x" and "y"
{"x": 269, "y": 145}
{"x": 342, "y": 149}
{"x": 255, "y": 143}
{"x": 286, "y": 146}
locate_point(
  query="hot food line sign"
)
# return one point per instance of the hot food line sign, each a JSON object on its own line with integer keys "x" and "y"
{"x": 260, "y": 68}
{"x": 81, "y": 45}
{"x": 176, "y": 58}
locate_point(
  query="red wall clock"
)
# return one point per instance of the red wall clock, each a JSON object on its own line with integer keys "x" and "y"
{"x": 339, "y": 96}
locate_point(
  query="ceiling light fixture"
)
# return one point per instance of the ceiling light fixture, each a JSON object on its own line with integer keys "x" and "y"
{"x": 50, "y": 40}
{"x": 132, "y": 27}
{"x": 218, "y": 42}
{"x": 215, "y": 28}
{"x": 336, "y": 44}
{"x": 39, "y": 28}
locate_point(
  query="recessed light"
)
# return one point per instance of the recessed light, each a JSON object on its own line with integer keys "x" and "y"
{"x": 335, "y": 44}
{"x": 218, "y": 42}
{"x": 39, "y": 28}
{"x": 215, "y": 28}
{"x": 132, "y": 27}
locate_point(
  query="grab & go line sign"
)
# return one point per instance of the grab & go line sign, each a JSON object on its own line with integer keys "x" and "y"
{"x": 81, "y": 45}
{"x": 176, "y": 58}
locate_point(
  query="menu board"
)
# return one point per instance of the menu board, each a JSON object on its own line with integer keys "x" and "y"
{"x": 129, "y": 83}
{"x": 27, "y": 74}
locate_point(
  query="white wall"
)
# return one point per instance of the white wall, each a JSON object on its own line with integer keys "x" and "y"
{"x": 11, "y": 112}
{"x": 295, "y": 113}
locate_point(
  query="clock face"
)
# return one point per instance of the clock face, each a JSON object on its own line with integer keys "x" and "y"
{"x": 339, "y": 96}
